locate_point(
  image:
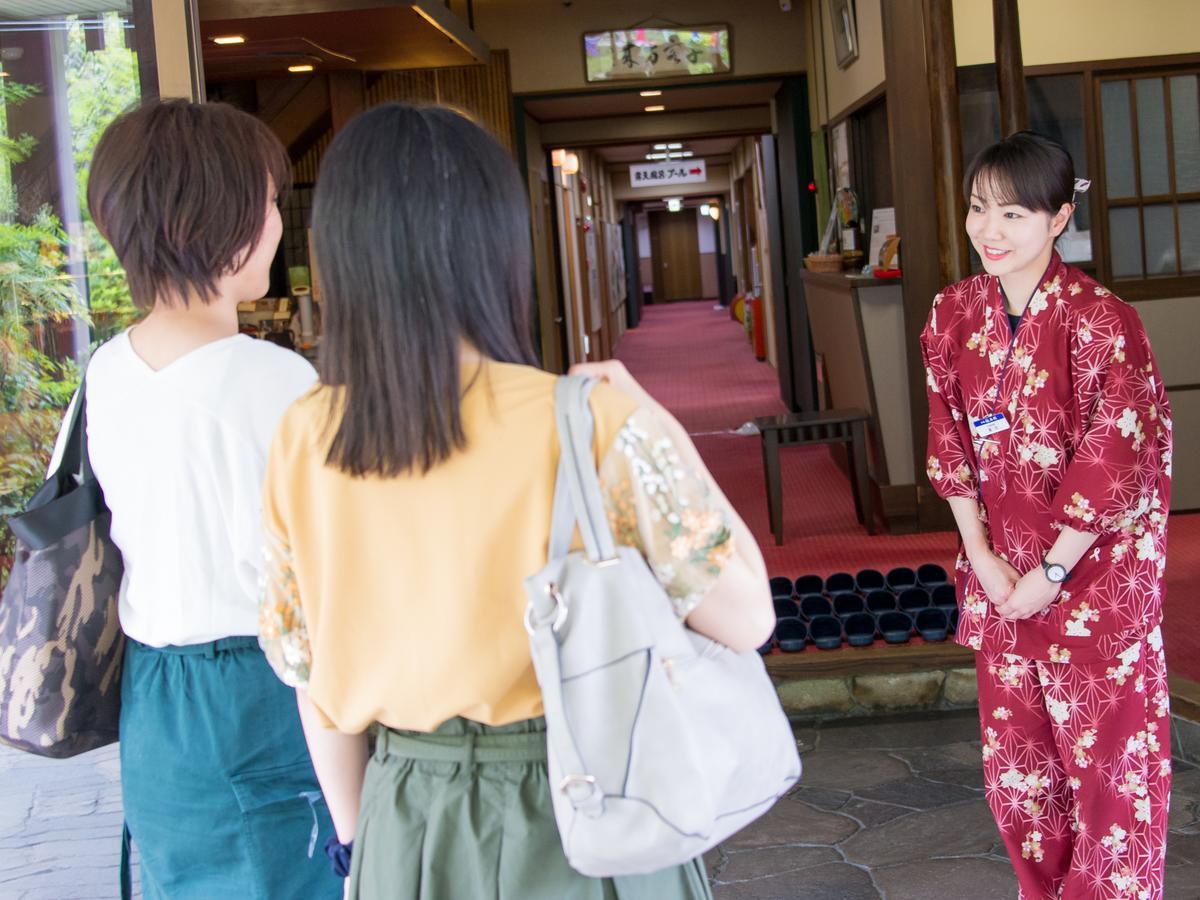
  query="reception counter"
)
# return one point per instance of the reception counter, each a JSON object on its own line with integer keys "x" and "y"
{"x": 857, "y": 327}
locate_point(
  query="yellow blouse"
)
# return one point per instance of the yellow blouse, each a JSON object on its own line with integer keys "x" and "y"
{"x": 400, "y": 600}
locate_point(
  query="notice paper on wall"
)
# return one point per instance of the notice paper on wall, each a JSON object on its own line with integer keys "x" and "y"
{"x": 883, "y": 225}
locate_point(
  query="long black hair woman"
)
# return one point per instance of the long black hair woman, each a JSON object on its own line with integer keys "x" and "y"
{"x": 409, "y": 496}
{"x": 1050, "y": 435}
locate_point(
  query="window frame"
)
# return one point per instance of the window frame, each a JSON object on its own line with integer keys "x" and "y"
{"x": 1148, "y": 287}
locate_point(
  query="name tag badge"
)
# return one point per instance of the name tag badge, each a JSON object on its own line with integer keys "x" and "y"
{"x": 989, "y": 425}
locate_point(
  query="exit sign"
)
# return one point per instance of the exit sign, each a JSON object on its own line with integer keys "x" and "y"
{"x": 680, "y": 171}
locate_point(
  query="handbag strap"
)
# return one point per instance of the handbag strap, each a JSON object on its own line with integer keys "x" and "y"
{"x": 75, "y": 458}
{"x": 577, "y": 495}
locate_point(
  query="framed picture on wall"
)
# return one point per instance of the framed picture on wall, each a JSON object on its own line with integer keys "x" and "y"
{"x": 845, "y": 33}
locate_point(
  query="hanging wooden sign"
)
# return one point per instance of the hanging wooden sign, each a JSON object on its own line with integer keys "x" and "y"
{"x": 661, "y": 52}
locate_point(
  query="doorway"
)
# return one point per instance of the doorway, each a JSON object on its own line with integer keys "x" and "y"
{"x": 675, "y": 251}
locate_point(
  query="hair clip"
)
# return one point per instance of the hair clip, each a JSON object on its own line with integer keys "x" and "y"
{"x": 1081, "y": 185}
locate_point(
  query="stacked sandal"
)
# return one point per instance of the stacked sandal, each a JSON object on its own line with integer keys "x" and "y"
{"x": 857, "y": 609}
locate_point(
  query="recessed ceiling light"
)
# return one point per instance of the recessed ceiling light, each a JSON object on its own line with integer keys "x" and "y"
{"x": 302, "y": 68}
{"x": 656, "y": 156}
{"x": 655, "y": 108}
{"x": 686, "y": 154}
{"x": 229, "y": 39}
{"x": 651, "y": 93}
{"x": 674, "y": 146}
{"x": 660, "y": 146}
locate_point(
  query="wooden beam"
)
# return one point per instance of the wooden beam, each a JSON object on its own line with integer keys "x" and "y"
{"x": 347, "y": 96}
{"x": 1010, "y": 74}
{"x": 302, "y": 112}
{"x": 877, "y": 659}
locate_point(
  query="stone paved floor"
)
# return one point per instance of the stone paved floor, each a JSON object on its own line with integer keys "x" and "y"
{"x": 887, "y": 809}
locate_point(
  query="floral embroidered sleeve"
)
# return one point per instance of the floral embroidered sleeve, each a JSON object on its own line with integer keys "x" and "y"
{"x": 282, "y": 632}
{"x": 1116, "y": 475}
{"x": 949, "y": 462}
{"x": 665, "y": 509}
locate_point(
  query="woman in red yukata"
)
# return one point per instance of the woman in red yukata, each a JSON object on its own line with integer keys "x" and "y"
{"x": 1050, "y": 436}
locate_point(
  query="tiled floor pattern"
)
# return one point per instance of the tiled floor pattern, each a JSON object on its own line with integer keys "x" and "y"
{"x": 887, "y": 808}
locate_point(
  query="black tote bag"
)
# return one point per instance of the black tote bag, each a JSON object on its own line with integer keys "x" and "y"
{"x": 61, "y": 644}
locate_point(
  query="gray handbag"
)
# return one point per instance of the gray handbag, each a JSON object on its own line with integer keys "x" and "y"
{"x": 662, "y": 743}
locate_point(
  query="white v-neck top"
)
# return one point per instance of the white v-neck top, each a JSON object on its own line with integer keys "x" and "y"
{"x": 180, "y": 453}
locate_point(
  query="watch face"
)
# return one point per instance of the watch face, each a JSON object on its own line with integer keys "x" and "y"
{"x": 1056, "y": 573}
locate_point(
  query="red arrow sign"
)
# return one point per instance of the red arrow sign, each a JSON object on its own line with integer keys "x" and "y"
{"x": 693, "y": 171}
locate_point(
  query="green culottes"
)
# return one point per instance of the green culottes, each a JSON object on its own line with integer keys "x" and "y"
{"x": 465, "y": 813}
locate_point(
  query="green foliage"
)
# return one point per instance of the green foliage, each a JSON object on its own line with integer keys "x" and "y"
{"x": 37, "y": 294}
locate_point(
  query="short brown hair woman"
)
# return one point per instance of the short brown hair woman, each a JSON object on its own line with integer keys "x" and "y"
{"x": 219, "y": 792}
{"x": 409, "y": 497}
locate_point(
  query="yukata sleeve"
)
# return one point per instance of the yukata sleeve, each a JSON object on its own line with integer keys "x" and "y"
{"x": 282, "y": 631}
{"x": 1122, "y": 464}
{"x": 948, "y": 461}
{"x": 665, "y": 509}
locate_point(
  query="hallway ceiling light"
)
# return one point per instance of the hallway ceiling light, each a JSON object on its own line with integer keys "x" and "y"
{"x": 661, "y": 147}
{"x": 715, "y": 212}
{"x": 704, "y": 208}
{"x": 658, "y": 108}
{"x": 674, "y": 146}
{"x": 570, "y": 164}
{"x": 657, "y": 156}
{"x": 557, "y": 157}
{"x": 305, "y": 67}
{"x": 229, "y": 39}
{"x": 651, "y": 93}
{"x": 686, "y": 154}
{"x": 674, "y": 204}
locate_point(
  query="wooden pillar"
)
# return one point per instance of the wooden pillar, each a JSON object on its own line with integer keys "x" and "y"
{"x": 919, "y": 58}
{"x": 1010, "y": 72}
{"x": 942, "y": 75}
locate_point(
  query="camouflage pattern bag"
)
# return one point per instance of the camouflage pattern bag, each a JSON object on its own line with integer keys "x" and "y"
{"x": 61, "y": 644}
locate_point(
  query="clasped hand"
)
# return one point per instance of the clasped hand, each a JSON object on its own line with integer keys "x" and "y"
{"x": 1015, "y": 596}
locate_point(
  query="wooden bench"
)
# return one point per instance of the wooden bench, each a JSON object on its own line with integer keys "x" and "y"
{"x": 830, "y": 426}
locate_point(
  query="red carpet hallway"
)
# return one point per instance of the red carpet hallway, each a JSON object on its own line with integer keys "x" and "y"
{"x": 696, "y": 361}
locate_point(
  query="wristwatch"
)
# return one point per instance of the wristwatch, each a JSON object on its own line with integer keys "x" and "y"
{"x": 1055, "y": 573}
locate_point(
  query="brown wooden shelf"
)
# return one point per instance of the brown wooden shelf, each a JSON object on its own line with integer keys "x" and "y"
{"x": 879, "y": 658}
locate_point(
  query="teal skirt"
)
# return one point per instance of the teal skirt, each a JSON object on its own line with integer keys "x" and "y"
{"x": 219, "y": 792}
{"x": 465, "y": 812}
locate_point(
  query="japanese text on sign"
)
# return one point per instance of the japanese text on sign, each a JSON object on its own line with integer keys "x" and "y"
{"x": 659, "y": 174}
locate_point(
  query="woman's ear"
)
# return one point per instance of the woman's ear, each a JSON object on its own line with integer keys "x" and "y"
{"x": 1058, "y": 224}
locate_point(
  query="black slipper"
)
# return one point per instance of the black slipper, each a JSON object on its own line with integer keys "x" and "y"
{"x": 809, "y": 584}
{"x": 914, "y": 600}
{"x": 901, "y": 578}
{"x": 815, "y": 605}
{"x": 781, "y": 587}
{"x": 847, "y": 605}
{"x": 786, "y": 609}
{"x": 860, "y": 629}
{"x": 839, "y": 583}
{"x": 791, "y": 634}
{"x": 767, "y": 647}
{"x": 868, "y": 580}
{"x": 895, "y": 627}
{"x": 931, "y": 575}
{"x": 879, "y": 602}
{"x": 826, "y": 632}
{"x": 932, "y": 624}
{"x": 944, "y": 598}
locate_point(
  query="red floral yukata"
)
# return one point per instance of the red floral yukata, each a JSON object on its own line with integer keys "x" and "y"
{"x": 1073, "y": 701}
